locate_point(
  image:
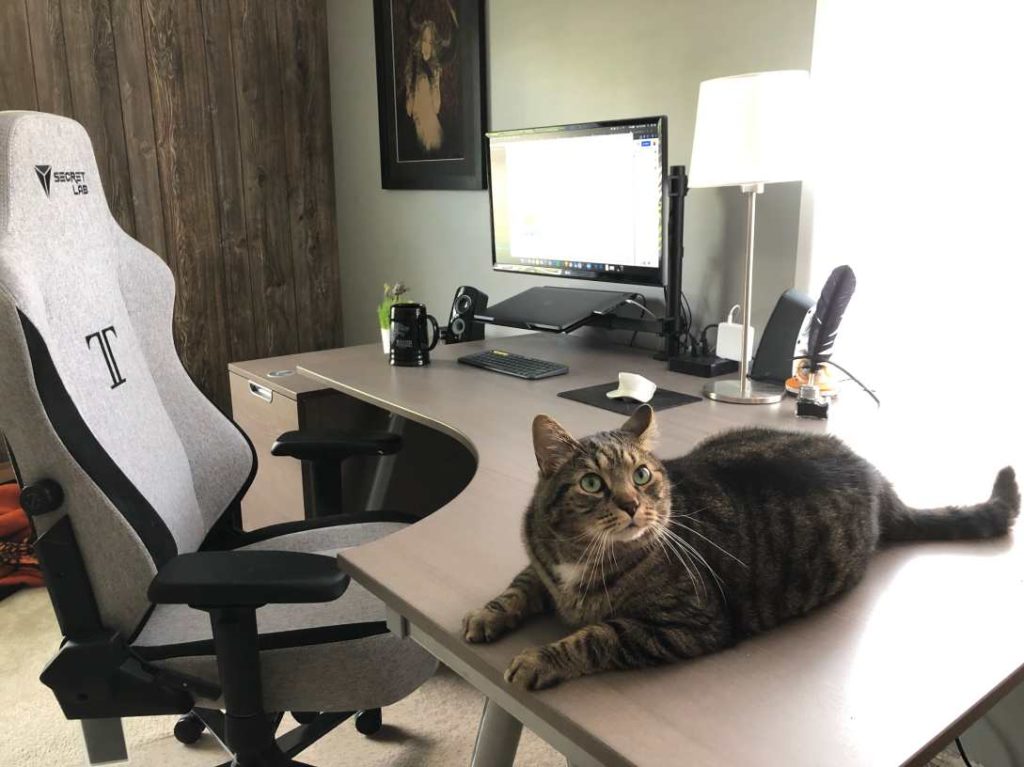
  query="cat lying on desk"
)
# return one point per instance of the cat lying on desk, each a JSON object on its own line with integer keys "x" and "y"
{"x": 657, "y": 561}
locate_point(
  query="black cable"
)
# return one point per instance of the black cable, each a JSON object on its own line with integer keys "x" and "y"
{"x": 689, "y": 312}
{"x": 704, "y": 348}
{"x": 854, "y": 378}
{"x": 858, "y": 382}
{"x": 963, "y": 754}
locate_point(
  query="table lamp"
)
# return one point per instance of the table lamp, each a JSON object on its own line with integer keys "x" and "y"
{"x": 750, "y": 132}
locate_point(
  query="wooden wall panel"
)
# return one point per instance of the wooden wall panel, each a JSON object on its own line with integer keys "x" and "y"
{"x": 261, "y": 133}
{"x": 49, "y": 58}
{"x": 234, "y": 236}
{"x": 17, "y": 85}
{"x": 140, "y": 136}
{"x": 95, "y": 97}
{"x": 211, "y": 124}
{"x": 307, "y": 114}
{"x": 174, "y": 34}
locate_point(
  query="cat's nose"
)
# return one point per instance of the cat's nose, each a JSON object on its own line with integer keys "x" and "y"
{"x": 628, "y": 505}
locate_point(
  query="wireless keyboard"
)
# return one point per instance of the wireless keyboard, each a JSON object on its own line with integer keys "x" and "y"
{"x": 514, "y": 364}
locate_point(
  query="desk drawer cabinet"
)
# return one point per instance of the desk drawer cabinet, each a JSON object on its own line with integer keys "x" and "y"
{"x": 430, "y": 470}
{"x": 263, "y": 414}
{"x": 264, "y": 406}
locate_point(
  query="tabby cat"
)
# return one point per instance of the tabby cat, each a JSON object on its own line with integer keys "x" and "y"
{"x": 657, "y": 561}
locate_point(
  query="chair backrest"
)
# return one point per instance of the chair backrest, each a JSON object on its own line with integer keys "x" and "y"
{"x": 92, "y": 393}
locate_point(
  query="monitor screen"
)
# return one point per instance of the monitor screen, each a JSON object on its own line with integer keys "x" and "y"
{"x": 584, "y": 201}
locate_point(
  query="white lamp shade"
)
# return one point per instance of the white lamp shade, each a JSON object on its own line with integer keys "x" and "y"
{"x": 751, "y": 129}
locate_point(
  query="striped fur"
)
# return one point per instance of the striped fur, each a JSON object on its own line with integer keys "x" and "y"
{"x": 751, "y": 528}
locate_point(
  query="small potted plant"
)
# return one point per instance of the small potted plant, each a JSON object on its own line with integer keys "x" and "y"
{"x": 392, "y": 295}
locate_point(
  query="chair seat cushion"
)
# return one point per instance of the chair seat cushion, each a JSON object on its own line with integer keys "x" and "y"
{"x": 336, "y": 656}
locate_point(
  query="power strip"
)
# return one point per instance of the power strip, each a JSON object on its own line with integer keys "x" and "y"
{"x": 705, "y": 367}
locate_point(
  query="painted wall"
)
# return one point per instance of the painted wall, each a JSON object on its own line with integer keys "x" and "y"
{"x": 552, "y": 63}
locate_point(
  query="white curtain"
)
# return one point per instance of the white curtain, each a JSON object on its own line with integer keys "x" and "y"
{"x": 918, "y": 184}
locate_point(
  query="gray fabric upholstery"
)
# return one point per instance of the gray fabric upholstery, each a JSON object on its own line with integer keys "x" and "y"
{"x": 177, "y": 624}
{"x": 346, "y": 676}
{"x": 357, "y": 674}
{"x": 80, "y": 294}
{"x": 51, "y": 247}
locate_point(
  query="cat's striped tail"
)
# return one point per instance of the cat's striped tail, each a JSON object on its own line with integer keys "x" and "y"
{"x": 990, "y": 519}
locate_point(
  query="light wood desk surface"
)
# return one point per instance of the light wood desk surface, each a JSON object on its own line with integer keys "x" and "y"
{"x": 886, "y": 675}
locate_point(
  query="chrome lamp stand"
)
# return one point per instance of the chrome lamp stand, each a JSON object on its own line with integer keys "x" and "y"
{"x": 743, "y": 391}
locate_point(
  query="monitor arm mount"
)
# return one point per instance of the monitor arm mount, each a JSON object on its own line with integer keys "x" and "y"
{"x": 673, "y": 325}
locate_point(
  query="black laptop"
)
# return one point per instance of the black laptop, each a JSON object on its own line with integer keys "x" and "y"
{"x": 558, "y": 310}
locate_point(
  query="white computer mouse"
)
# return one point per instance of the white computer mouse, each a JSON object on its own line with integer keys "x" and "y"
{"x": 633, "y": 386}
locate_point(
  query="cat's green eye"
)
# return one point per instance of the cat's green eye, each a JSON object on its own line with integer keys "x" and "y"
{"x": 642, "y": 475}
{"x": 591, "y": 483}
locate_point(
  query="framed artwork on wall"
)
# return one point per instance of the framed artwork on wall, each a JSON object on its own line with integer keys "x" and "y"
{"x": 431, "y": 93}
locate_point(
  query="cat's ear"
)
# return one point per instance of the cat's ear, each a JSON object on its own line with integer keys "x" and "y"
{"x": 551, "y": 444}
{"x": 641, "y": 425}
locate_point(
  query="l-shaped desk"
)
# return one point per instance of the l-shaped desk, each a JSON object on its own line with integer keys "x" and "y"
{"x": 885, "y": 675}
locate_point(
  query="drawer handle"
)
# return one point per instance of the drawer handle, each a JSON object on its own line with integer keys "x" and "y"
{"x": 265, "y": 394}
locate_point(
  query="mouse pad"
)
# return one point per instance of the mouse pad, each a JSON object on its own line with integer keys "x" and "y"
{"x": 595, "y": 395}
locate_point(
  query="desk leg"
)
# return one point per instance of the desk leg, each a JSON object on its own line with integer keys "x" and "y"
{"x": 385, "y": 468}
{"x": 497, "y": 738}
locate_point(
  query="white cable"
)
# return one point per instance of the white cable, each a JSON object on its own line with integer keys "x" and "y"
{"x": 641, "y": 306}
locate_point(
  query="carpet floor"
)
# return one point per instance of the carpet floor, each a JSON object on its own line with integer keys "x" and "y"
{"x": 433, "y": 727}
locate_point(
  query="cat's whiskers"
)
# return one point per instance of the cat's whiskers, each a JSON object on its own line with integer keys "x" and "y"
{"x": 685, "y": 557}
{"x": 695, "y": 532}
{"x": 604, "y": 580}
{"x": 615, "y": 560}
{"x": 700, "y": 557}
{"x": 680, "y": 512}
{"x": 658, "y": 538}
{"x": 591, "y": 569}
{"x": 589, "y": 560}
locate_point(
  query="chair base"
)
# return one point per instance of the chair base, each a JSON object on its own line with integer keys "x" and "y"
{"x": 279, "y": 752}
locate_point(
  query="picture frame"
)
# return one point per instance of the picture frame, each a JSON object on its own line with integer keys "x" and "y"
{"x": 431, "y": 93}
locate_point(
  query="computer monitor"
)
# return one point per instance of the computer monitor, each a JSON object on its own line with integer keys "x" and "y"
{"x": 585, "y": 201}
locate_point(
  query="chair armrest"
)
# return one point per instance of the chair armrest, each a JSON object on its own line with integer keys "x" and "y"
{"x": 309, "y": 445}
{"x": 208, "y": 579}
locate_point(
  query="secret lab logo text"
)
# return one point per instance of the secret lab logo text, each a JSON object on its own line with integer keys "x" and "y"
{"x": 47, "y": 177}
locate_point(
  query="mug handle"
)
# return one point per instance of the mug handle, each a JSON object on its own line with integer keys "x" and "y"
{"x": 437, "y": 333}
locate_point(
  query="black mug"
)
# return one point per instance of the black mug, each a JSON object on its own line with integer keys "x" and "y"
{"x": 409, "y": 337}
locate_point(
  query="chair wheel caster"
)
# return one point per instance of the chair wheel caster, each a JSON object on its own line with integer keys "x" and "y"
{"x": 369, "y": 722}
{"x": 188, "y": 729}
{"x": 305, "y": 717}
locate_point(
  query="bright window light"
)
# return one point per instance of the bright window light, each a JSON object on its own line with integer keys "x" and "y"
{"x": 918, "y": 183}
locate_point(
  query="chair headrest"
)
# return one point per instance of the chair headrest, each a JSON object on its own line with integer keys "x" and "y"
{"x": 48, "y": 174}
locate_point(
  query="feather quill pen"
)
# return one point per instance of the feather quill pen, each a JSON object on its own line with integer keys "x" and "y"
{"x": 828, "y": 313}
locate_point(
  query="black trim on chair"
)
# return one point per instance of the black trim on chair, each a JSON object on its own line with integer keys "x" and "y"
{"x": 83, "y": 446}
{"x": 14, "y": 464}
{"x": 316, "y": 523}
{"x": 229, "y": 524}
{"x": 277, "y": 641}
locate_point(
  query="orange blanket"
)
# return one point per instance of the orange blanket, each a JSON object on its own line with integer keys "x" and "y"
{"x": 18, "y": 563}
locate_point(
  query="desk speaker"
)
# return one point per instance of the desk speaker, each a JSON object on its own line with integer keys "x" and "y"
{"x": 774, "y": 359}
{"x": 462, "y": 326}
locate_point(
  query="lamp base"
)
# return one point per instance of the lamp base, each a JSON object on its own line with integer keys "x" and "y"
{"x": 733, "y": 391}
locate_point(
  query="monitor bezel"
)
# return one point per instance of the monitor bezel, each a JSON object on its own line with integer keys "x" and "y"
{"x": 637, "y": 275}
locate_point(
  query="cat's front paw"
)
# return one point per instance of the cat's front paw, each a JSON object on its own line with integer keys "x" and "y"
{"x": 532, "y": 670}
{"x": 485, "y": 625}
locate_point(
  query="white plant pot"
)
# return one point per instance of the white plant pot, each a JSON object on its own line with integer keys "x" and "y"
{"x": 385, "y": 339}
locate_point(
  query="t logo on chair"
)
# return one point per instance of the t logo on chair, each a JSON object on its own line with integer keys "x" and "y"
{"x": 108, "y": 353}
